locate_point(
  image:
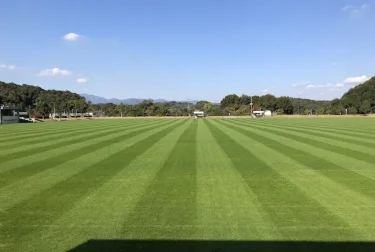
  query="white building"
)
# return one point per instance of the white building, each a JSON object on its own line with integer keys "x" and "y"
{"x": 267, "y": 113}
{"x": 198, "y": 114}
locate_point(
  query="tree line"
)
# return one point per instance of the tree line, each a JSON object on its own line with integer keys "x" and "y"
{"x": 40, "y": 103}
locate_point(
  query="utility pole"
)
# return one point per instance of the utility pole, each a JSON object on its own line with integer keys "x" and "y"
{"x": 251, "y": 105}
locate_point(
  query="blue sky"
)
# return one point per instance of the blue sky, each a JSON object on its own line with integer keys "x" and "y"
{"x": 189, "y": 49}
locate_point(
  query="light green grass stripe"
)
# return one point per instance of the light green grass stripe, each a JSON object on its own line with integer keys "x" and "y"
{"x": 352, "y": 133}
{"x": 33, "y": 214}
{"x": 353, "y": 124}
{"x": 57, "y": 135}
{"x": 47, "y": 143}
{"x": 67, "y": 152}
{"x": 272, "y": 189}
{"x": 167, "y": 209}
{"x": 227, "y": 208}
{"x": 67, "y": 126}
{"x": 52, "y": 129}
{"x": 340, "y": 200}
{"x": 328, "y": 163}
{"x": 358, "y": 140}
{"x": 15, "y": 193}
{"x": 101, "y": 214}
{"x": 22, "y": 172}
{"x": 344, "y": 147}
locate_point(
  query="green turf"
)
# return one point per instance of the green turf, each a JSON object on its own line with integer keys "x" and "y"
{"x": 62, "y": 184}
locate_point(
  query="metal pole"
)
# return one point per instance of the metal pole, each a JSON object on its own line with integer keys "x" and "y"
{"x": 251, "y": 104}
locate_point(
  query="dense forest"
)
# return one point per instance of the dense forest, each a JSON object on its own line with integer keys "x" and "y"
{"x": 40, "y": 103}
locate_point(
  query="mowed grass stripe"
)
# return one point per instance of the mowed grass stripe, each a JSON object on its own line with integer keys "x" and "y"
{"x": 63, "y": 127}
{"x": 80, "y": 137}
{"x": 51, "y": 130}
{"x": 339, "y": 174}
{"x": 28, "y": 187}
{"x": 347, "y": 162}
{"x": 10, "y": 176}
{"x": 168, "y": 208}
{"x": 311, "y": 128}
{"x": 352, "y": 124}
{"x": 102, "y": 212}
{"x": 342, "y": 147}
{"x": 273, "y": 189}
{"x": 227, "y": 208}
{"x": 352, "y": 207}
{"x": 34, "y": 213}
{"x": 40, "y": 157}
{"x": 57, "y": 136}
{"x": 356, "y": 140}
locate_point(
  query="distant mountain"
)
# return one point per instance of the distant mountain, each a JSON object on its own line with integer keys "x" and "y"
{"x": 131, "y": 101}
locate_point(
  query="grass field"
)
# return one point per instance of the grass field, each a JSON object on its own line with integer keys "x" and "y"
{"x": 63, "y": 183}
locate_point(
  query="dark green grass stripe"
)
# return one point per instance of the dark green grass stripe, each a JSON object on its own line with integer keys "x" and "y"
{"x": 28, "y": 128}
{"x": 79, "y": 139}
{"x": 31, "y": 169}
{"x": 170, "y": 200}
{"x": 326, "y": 133}
{"x": 53, "y": 133}
{"x": 312, "y": 132}
{"x": 43, "y": 209}
{"x": 48, "y": 137}
{"x": 318, "y": 143}
{"x": 272, "y": 189}
{"x": 350, "y": 179}
{"x": 338, "y": 125}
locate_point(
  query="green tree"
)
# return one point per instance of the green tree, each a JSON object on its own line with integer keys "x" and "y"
{"x": 207, "y": 107}
{"x": 365, "y": 107}
{"x": 285, "y": 104}
{"x": 230, "y": 101}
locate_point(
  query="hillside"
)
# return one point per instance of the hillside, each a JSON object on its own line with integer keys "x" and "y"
{"x": 360, "y": 98}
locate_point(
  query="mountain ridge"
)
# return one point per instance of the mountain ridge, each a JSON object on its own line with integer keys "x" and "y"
{"x": 131, "y": 101}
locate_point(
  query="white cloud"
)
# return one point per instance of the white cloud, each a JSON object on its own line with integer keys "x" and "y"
{"x": 55, "y": 72}
{"x": 82, "y": 80}
{"x": 265, "y": 91}
{"x": 300, "y": 84}
{"x": 9, "y": 67}
{"x": 71, "y": 36}
{"x": 358, "y": 79}
{"x": 337, "y": 85}
{"x": 328, "y": 85}
{"x": 355, "y": 10}
{"x": 310, "y": 86}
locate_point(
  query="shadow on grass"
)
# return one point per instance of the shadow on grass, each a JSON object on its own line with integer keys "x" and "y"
{"x": 196, "y": 245}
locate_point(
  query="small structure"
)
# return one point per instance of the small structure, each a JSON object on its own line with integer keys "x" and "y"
{"x": 9, "y": 115}
{"x": 198, "y": 114}
{"x": 267, "y": 113}
{"x": 258, "y": 114}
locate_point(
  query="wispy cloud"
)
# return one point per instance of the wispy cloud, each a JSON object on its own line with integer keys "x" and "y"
{"x": 301, "y": 84}
{"x": 55, "y": 72}
{"x": 358, "y": 79}
{"x": 350, "y": 81}
{"x": 347, "y": 7}
{"x": 82, "y": 80}
{"x": 8, "y": 67}
{"x": 356, "y": 10}
{"x": 325, "y": 86}
{"x": 264, "y": 91}
{"x": 71, "y": 36}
